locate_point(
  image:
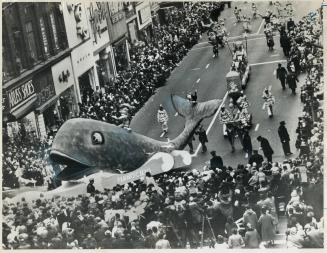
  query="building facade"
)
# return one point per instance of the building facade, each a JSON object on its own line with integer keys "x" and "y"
{"x": 34, "y": 40}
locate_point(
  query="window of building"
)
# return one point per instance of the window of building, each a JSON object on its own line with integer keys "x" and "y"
{"x": 8, "y": 68}
{"x": 31, "y": 41}
{"x": 44, "y": 37}
{"x": 54, "y": 30}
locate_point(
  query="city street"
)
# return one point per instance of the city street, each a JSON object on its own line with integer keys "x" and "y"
{"x": 199, "y": 70}
{"x": 99, "y": 99}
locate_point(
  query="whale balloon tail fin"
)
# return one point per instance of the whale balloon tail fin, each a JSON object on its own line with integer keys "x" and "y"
{"x": 194, "y": 110}
{"x": 193, "y": 113}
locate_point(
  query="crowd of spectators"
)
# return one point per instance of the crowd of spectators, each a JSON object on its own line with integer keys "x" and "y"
{"x": 25, "y": 160}
{"x": 303, "y": 210}
{"x": 217, "y": 206}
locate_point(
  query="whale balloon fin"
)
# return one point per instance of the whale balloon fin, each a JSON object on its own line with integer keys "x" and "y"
{"x": 193, "y": 113}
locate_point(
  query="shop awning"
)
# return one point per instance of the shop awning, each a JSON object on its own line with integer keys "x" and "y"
{"x": 47, "y": 104}
{"x": 21, "y": 111}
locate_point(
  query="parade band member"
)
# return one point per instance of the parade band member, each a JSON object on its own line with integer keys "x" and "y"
{"x": 284, "y": 138}
{"x": 162, "y": 118}
{"x": 269, "y": 102}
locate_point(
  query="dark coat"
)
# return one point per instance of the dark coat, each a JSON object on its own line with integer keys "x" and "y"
{"x": 216, "y": 162}
{"x": 247, "y": 144}
{"x": 90, "y": 188}
{"x": 283, "y": 134}
{"x": 266, "y": 148}
{"x": 291, "y": 80}
{"x": 257, "y": 158}
{"x": 202, "y": 136}
{"x": 281, "y": 73}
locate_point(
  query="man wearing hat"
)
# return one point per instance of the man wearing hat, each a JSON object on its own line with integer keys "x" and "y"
{"x": 90, "y": 187}
{"x": 284, "y": 138}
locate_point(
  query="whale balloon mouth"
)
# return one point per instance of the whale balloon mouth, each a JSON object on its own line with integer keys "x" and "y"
{"x": 61, "y": 158}
{"x": 74, "y": 168}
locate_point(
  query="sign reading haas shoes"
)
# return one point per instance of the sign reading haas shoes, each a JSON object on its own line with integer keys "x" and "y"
{"x": 20, "y": 94}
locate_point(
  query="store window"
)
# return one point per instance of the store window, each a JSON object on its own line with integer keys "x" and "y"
{"x": 31, "y": 41}
{"x": 120, "y": 52}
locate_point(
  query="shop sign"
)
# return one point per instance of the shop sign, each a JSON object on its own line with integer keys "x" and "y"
{"x": 20, "y": 94}
{"x": 62, "y": 74}
{"x": 98, "y": 13}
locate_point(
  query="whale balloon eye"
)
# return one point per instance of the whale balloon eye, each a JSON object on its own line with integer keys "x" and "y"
{"x": 97, "y": 138}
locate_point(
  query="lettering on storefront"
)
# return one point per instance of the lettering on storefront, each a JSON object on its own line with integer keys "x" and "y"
{"x": 98, "y": 15}
{"x": 21, "y": 93}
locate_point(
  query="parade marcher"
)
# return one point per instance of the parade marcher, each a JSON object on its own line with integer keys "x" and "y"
{"x": 237, "y": 13}
{"x": 254, "y": 10}
{"x": 162, "y": 118}
{"x": 266, "y": 148}
{"x": 284, "y": 138}
{"x": 291, "y": 81}
{"x": 224, "y": 117}
{"x": 190, "y": 144}
{"x": 281, "y": 74}
{"x": 90, "y": 187}
{"x": 202, "y": 138}
{"x": 247, "y": 144}
{"x": 214, "y": 41}
{"x": 216, "y": 161}
{"x": 269, "y": 102}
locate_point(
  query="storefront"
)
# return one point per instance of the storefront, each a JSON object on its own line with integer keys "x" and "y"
{"x": 120, "y": 49}
{"x": 132, "y": 30}
{"x": 31, "y": 106}
{"x": 63, "y": 78}
{"x": 144, "y": 20}
{"x": 85, "y": 73}
{"x": 18, "y": 104}
{"x": 105, "y": 66}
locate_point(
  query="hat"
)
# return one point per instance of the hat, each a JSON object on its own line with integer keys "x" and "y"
{"x": 282, "y": 123}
